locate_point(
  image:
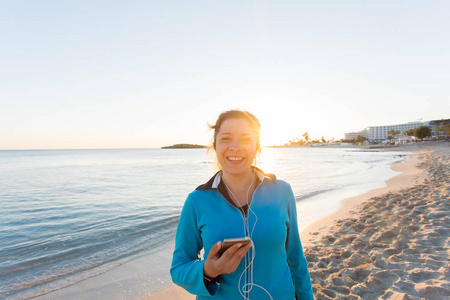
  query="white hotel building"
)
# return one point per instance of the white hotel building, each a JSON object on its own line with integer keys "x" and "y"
{"x": 380, "y": 133}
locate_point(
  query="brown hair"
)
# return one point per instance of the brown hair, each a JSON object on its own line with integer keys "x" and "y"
{"x": 236, "y": 114}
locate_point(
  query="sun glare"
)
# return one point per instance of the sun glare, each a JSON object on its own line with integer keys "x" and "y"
{"x": 265, "y": 160}
{"x": 272, "y": 134}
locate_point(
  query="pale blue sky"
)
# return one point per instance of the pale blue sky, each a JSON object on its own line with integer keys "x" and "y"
{"x": 126, "y": 74}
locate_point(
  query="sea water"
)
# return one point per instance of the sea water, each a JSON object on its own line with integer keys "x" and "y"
{"x": 67, "y": 215}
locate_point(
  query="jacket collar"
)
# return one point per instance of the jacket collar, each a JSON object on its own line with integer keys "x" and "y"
{"x": 214, "y": 182}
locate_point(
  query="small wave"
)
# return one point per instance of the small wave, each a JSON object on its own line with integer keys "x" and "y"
{"x": 58, "y": 258}
{"x": 400, "y": 159}
{"x": 311, "y": 194}
{"x": 362, "y": 150}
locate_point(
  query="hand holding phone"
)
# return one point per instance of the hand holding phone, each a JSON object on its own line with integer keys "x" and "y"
{"x": 217, "y": 264}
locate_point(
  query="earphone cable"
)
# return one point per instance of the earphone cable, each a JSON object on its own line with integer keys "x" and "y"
{"x": 247, "y": 287}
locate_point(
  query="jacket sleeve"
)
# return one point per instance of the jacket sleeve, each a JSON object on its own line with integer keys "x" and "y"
{"x": 187, "y": 268}
{"x": 296, "y": 258}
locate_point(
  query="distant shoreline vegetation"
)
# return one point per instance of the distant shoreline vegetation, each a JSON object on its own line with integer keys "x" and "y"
{"x": 184, "y": 146}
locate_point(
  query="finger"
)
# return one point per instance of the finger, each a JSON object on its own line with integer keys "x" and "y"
{"x": 230, "y": 251}
{"x": 243, "y": 250}
{"x": 214, "y": 250}
{"x": 240, "y": 252}
{"x": 235, "y": 259}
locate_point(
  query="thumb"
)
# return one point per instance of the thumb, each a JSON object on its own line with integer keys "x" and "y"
{"x": 214, "y": 249}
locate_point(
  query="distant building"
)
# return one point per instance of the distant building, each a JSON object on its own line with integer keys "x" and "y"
{"x": 380, "y": 133}
{"x": 434, "y": 125}
{"x": 354, "y": 135}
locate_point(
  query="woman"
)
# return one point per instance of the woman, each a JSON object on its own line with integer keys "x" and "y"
{"x": 240, "y": 201}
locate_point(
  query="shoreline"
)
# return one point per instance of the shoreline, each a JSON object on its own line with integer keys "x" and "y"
{"x": 409, "y": 175}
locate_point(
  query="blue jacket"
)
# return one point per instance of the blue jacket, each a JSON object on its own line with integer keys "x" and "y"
{"x": 279, "y": 265}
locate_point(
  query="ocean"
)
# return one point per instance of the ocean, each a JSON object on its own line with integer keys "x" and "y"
{"x": 67, "y": 215}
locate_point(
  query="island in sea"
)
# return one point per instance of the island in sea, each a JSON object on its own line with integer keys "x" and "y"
{"x": 184, "y": 146}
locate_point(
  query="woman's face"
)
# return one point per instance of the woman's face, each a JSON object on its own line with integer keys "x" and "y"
{"x": 236, "y": 146}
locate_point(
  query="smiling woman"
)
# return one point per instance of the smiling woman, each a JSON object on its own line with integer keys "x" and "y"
{"x": 240, "y": 202}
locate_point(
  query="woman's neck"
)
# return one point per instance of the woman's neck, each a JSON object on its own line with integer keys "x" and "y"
{"x": 239, "y": 183}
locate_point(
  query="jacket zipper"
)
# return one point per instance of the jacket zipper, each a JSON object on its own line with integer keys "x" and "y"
{"x": 247, "y": 255}
{"x": 247, "y": 233}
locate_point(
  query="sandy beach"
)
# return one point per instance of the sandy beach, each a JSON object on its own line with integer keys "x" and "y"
{"x": 390, "y": 243}
{"x": 393, "y": 246}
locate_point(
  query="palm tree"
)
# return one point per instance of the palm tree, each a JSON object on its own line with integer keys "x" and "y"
{"x": 394, "y": 133}
{"x": 440, "y": 129}
{"x": 306, "y": 136}
{"x": 409, "y": 133}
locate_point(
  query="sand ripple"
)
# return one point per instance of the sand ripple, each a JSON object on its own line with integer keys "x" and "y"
{"x": 395, "y": 246}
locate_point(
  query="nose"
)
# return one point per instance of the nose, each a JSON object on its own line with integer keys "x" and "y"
{"x": 235, "y": 145}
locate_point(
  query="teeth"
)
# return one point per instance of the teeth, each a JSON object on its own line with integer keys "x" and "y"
{"x": 235, "y": 158}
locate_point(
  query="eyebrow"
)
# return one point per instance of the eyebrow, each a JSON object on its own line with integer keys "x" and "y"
{"x": 231, "y": 133}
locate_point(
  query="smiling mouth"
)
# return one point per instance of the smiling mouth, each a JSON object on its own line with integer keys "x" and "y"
{"x": 234, "y": 158}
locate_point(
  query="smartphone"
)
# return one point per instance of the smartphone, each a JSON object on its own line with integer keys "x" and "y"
{"x": 227, "y": 243}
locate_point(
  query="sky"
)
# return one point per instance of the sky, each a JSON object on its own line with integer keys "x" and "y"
{"x": 145, "y": 74}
